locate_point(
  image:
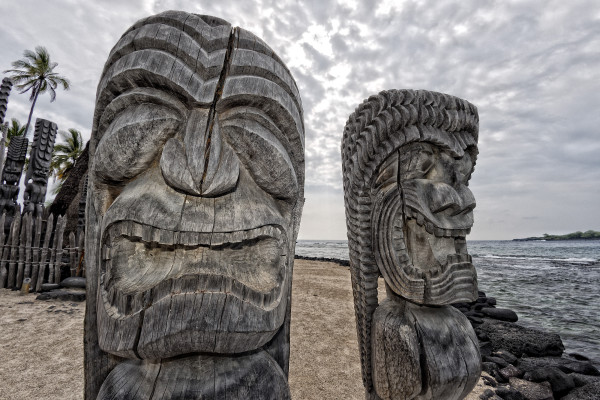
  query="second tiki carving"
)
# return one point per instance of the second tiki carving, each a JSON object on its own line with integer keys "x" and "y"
{"x": 407, "y": 158}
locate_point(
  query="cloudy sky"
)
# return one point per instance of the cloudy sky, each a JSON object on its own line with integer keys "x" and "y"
{"x": 531, "y": 67}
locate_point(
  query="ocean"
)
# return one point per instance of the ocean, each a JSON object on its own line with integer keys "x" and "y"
{"x": 552, "y": 285}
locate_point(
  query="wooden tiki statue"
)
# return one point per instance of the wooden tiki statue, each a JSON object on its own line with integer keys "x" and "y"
{"x": 407, "y": 158}
{"x": 40, "y": 158}
{"x": 11, "y": 177}
{"x": 195, "y": 192}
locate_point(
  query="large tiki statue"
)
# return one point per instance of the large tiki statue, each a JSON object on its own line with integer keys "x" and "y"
{"x": 11, "y": 176}
{"x": 195, "y": 192}
{"x": 407, "y": 158}
{"x": 39, "y": 166}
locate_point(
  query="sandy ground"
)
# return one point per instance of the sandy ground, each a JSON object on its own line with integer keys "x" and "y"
{"x": 41, "y": 342}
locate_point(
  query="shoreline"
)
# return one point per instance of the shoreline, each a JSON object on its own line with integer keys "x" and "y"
{"x": 39, "y": 336}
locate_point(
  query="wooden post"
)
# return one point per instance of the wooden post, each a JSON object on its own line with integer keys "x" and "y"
{"x": 80, "y": 254}
{"x": 3, "y": 239}
{"x": 58, "y": 250}
{"x": 21, "y": 254}
{"x": 3, "y": 271}
{"x": 44, "y": 254}
{"x": 72, "y": 254}
{"x": 35, "y": 252}
{"x": 28, "y": 246}
{"x": 13, "y": 249}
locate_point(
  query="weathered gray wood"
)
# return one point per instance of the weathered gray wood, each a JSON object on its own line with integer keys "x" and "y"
{"x": 252, "y": 376}
{"x": 14, "y": 250}
{"x": 195, "y": 196}
{"x": 44, "y": 254}
{"x": 35, "y": 250}
{"x": 423, "y": 347}
{"x": 72, "y": 254}
{"x": 25, "y": 229}
{"x": 61, "y": 222}
{"x": 28, "y": 240}
{"x": 11, "y": 177}
{"x": 80, "y": 262}
{"x": 36, "y": 179}
{"x": 3, "y": 239}
{"x": 407, "y": 158}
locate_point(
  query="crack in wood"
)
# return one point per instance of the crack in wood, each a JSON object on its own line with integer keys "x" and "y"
{"x": 213, "y": 107}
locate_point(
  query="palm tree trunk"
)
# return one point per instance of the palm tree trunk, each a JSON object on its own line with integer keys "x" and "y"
{"x": 31, "y": 111}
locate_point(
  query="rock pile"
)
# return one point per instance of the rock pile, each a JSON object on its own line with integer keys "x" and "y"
{"x": 69, "y": 289}
{"x": 525, "y": 363}
{"x": 343, "y": 263}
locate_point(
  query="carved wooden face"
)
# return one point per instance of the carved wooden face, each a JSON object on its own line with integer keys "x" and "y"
{"x": 12, "y": 171}
{"x": 426, "y": 210}
{"x": 196, "y": 204}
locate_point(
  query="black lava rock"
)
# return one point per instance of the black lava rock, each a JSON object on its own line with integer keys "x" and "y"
{"x": 489, "y": 367}
{"x": 508, "y": 393}
{"x": 73, "y": 282}
{"x": 560, "y": 382}
{"x": 567, "y": 365}
{"x": 520, "y": 340}
{"x": 507, "y": 355}
{"x": 502, "y": 314}
{"x": 532, "y": 390}
{"x": 588, "y": 392}
{"x": 46, "y": 287}
{"x": 68, "y": 295}
{"x": 499, "y": 361}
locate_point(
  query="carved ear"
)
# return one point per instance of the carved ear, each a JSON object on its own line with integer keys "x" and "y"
{"x": 263, "y": 156}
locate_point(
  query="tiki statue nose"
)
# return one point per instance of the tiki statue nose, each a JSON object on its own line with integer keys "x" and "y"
{"x": 203, "y": 164}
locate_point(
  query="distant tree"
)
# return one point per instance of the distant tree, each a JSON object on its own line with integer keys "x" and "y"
{"x": 14, "y": 129}
{"x": 65, "y": 154}
{"x": 35, "y": 72}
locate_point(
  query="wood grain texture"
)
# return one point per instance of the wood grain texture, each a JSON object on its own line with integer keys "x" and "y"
{"x": 407, "y": 156}
{"x": 422, "y": 352}
{"x": 191, "y": 224}
{"x": 252, "y": 376}
{"x": 44, "y": 254}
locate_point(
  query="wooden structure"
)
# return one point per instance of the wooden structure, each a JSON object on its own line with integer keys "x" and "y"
{"x": 195, "y": 192}
{"x": 33, "y": 248}
{"x": 407, "y": 158}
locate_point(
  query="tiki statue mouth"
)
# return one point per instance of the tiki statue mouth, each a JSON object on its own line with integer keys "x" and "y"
{"x": 143, "y": 264}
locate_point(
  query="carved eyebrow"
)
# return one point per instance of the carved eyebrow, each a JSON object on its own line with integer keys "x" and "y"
{"x": 139, "y": 96}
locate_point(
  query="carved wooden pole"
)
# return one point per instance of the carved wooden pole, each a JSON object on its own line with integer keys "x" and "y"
{"x": 195, "y": 191}
{"x": 11, "y": 176}
{"x": 36, "y": 179}
{"x": 407, "y": 158}
{"x": 5, "y": 89}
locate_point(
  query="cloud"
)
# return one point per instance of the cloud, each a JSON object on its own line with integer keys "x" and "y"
{"x": 531, "y": 68}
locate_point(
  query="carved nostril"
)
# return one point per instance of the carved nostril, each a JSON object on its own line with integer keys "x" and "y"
{"x": 203, "y": 165}
{"x": 174, "y": 168}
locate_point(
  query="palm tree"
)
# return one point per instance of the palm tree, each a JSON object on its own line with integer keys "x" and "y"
{"x": 65, "y": 154}
{"x": 35, "y": 72}
{"x": 14, "y": 129}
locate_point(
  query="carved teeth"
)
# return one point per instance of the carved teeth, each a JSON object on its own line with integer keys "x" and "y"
{"x": 429, "y": 227}
{"x": 155, "y": 236}
{"x": 420, "y": 219}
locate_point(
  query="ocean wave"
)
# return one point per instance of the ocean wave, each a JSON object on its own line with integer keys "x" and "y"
{"x": 539, "y": 258}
